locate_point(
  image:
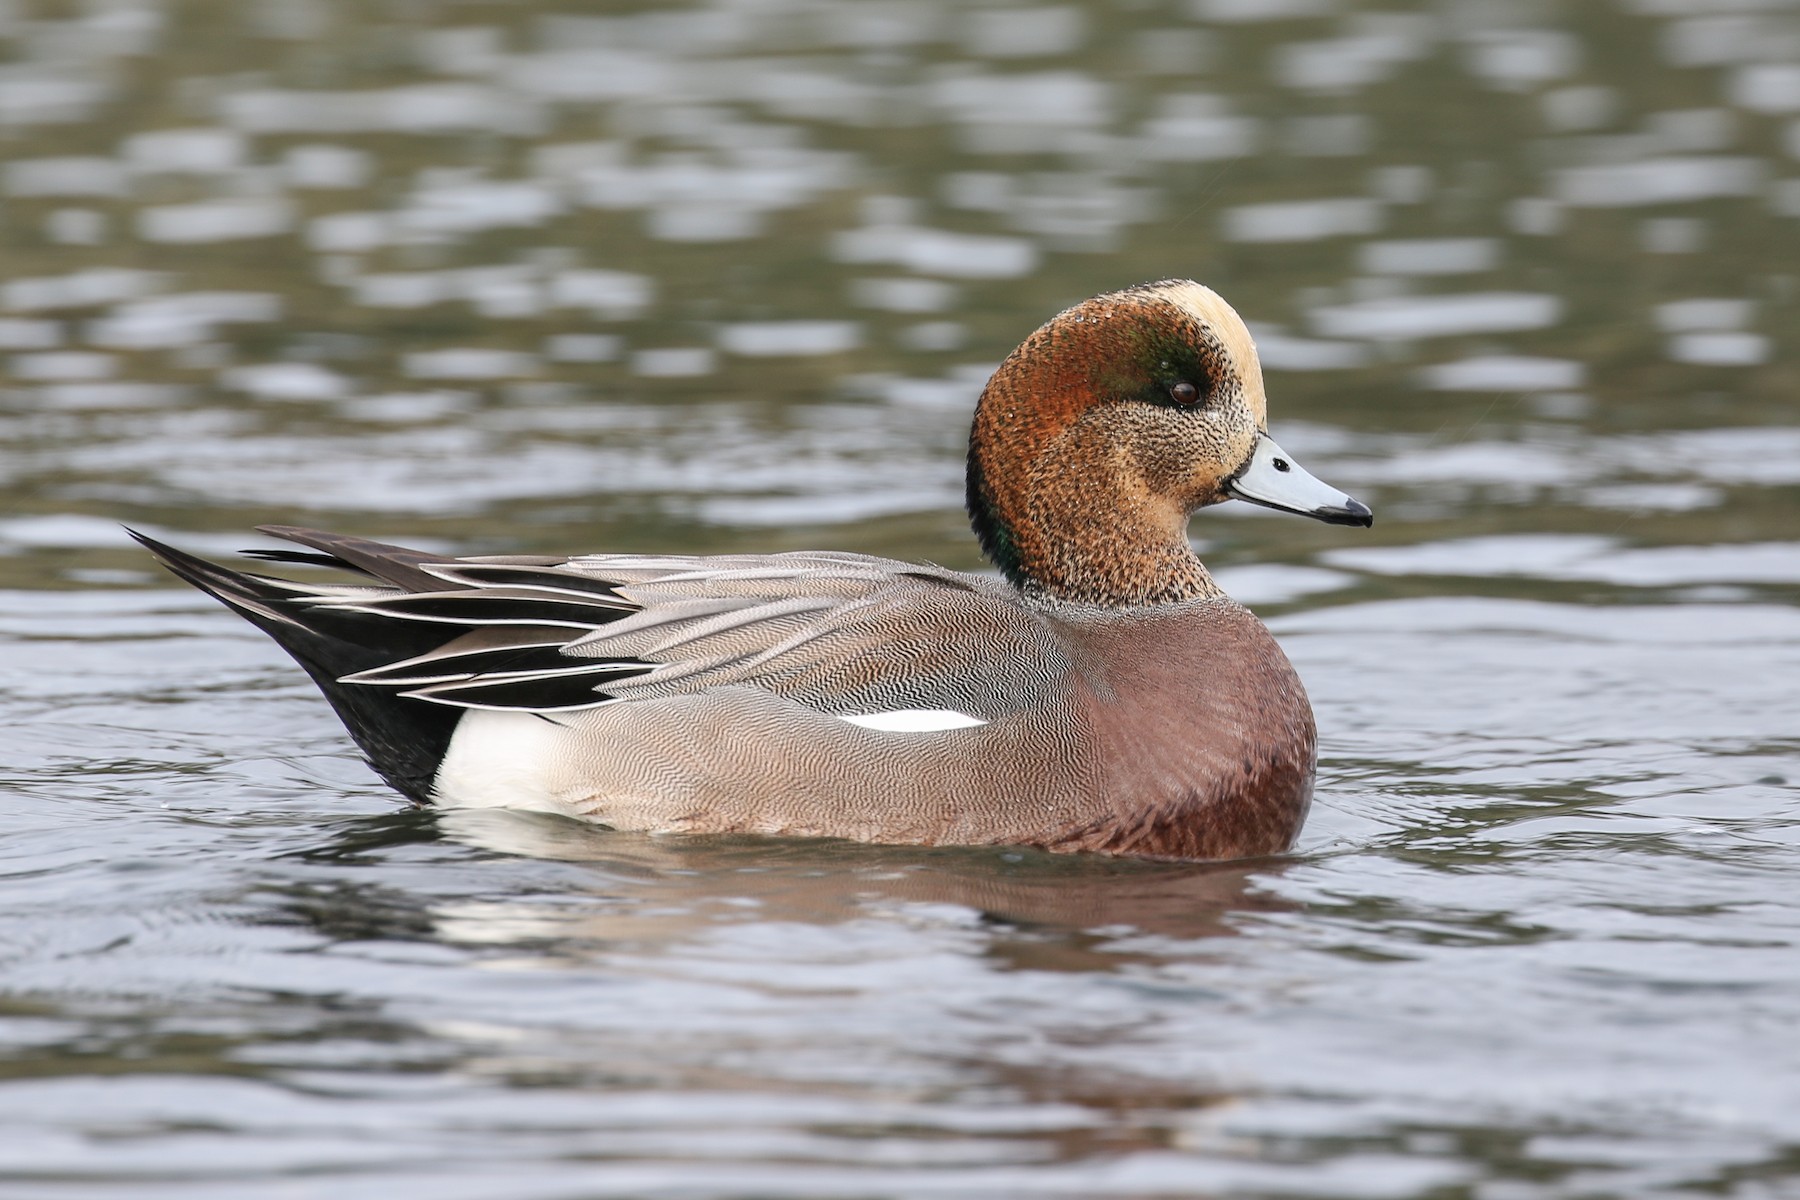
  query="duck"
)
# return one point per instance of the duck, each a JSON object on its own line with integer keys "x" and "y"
{"x": 1100, "y": 693}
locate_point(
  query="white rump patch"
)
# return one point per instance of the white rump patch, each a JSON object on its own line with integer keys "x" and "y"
{"x": 501, "y": 759}
{"x": 915, "y": 720}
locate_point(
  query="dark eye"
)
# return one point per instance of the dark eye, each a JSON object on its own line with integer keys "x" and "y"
{"x": 1183, "y": 392}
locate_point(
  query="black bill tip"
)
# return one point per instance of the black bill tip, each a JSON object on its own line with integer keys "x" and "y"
{"x": 1350, "y": 512}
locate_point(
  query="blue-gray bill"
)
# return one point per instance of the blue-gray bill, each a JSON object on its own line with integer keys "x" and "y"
{"x": 1273, "y": 479}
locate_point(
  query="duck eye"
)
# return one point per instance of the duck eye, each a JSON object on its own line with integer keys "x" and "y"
{"x": 1183, "y": 392}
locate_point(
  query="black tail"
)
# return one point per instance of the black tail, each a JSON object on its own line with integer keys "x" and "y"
{"x": 404, "y": 739}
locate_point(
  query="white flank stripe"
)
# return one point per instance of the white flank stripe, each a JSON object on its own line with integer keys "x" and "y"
{"x": 915, "y": 720}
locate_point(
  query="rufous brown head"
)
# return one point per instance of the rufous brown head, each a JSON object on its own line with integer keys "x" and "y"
{"x": 1097, "y": 438}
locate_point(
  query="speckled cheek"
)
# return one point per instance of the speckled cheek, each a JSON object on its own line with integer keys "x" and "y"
{"x": 1153, "y": 446}
{"x": 1220, "y": 444}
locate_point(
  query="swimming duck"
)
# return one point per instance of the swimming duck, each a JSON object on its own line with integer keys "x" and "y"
{"x": 1102, "y": 695}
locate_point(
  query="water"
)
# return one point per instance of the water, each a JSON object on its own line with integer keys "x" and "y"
{"x": 727, "y": 277}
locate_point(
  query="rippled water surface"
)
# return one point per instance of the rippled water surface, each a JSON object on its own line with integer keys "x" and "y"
{"x": 728, "y": 276}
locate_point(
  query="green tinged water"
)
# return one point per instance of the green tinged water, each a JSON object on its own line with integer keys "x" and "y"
{"x": 703, "y": 278}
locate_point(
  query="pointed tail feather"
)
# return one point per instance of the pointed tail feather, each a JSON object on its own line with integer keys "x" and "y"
{"x": 404, "y": 739}
{"x": 398, "y": 565}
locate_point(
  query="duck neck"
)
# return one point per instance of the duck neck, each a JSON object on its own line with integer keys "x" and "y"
{"x": 1085, "y": 532}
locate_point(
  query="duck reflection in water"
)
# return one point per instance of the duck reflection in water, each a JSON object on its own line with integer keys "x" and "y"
{"x": 1046, "y": 911}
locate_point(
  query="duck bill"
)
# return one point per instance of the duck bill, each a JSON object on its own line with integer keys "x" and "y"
{"x": 1274, "y": 480}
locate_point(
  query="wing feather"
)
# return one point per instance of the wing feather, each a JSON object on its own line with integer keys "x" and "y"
{"x": 496, "y": 648}
{"x": 842, "y": 633}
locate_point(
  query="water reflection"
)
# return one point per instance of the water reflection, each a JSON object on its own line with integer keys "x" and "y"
{"x": 674, "y": 888}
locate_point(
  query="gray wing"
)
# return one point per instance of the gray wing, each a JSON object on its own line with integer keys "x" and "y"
{"x": 839, "y": 633}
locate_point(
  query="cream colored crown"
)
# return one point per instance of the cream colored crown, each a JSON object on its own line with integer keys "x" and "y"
{"x": 1210, "y": 308}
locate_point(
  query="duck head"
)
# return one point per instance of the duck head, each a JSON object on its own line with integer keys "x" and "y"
{"x": 1098, "y": 437}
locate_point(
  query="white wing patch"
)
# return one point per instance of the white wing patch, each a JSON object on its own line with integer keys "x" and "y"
{"x": 915, "y": 720}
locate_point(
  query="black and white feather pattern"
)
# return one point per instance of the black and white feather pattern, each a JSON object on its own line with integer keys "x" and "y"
{"x": 841, "y": 633}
